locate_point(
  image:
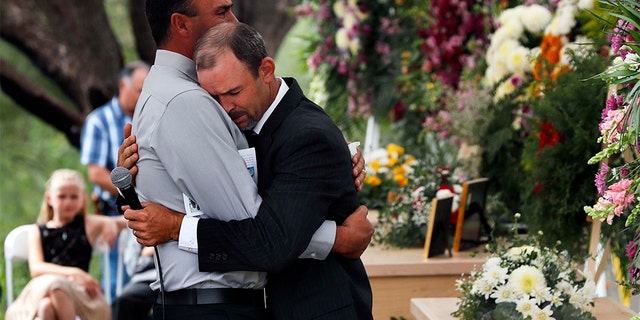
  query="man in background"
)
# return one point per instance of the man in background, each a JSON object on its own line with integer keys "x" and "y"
{"x": 101, "y": 137}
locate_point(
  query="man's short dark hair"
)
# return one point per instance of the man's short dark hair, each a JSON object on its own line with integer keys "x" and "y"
{"x": 243, "y": 40}
{"x": 159, "y": 16}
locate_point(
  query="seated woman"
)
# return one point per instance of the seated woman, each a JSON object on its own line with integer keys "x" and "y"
{"x": 60, "y": 250}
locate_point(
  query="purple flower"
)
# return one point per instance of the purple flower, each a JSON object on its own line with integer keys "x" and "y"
{"x": 632, "y": 249}
{"x": 600, "y": 181}
{"x": 624, "y": 172}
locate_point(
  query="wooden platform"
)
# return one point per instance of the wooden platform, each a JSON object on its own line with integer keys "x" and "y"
{"x": 398, "y": 275}
{"x": 441, "y": 309}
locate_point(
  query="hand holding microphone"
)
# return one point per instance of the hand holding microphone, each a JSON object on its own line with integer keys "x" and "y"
{"x": 121, "y": 178}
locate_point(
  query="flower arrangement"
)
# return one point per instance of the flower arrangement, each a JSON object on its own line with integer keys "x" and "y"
{"x": 618, "y": 179}
{"x": 544, "y": 116}
{"x": 403, "y": 221}
{"x": 525, "y": 281}
{"x": 354, "y": 51}
{"x": 387, "y": 169}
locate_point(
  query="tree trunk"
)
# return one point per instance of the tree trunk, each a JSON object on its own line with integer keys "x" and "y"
{"x": 70, "y": 41}
{"x": 272, "y": 19}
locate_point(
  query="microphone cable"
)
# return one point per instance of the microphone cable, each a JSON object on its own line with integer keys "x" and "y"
{"x": 155, "y": 248}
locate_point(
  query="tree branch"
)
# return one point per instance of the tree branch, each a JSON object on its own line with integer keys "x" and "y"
{"x": 38, "y": 102}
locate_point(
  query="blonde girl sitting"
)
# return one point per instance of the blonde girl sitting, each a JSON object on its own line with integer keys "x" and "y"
{"x": 60, "y": 250}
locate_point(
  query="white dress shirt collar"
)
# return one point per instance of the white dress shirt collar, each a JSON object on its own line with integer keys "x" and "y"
{"x": 281, "y": 92}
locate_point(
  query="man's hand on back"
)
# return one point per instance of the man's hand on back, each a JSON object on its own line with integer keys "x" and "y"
{"x": 354, "y": 235}
{"x": 128, "y": 152}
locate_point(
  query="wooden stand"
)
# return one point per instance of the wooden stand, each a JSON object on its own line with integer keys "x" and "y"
{"x": 397, "y": 275}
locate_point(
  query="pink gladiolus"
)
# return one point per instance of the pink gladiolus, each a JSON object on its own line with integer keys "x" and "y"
{"x": 619, "y": 194}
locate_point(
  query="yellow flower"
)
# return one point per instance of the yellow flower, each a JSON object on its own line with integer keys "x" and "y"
{"x": 373, "y": 181}
{"x": 394, "y": 149}
{"x": 400, "y": 2}
{"x": 399, "y": 170}
{"x": 375, "y": 165}
{"x": 392, "y": 161}
{"x": 401, "y": 179}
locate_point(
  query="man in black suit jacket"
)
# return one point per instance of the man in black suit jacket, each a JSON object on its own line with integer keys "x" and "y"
{"x": 304, "y": 178}
{"x": 304, "y": 171}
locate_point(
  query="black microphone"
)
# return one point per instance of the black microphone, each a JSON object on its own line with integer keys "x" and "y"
{"x": 121, "y": 178}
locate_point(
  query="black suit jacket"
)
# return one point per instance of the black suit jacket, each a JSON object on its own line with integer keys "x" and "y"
{"x": 304, "y": 175}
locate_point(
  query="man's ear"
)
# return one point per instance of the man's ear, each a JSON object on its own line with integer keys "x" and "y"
{"x": 180, "y": 24}
{"x": 267, "y": 68}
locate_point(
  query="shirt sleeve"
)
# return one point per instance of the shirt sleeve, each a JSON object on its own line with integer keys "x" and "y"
{"x": 188, "y": 240}
{"x": 94, "y": 142}
{"x": 321, "y": 242}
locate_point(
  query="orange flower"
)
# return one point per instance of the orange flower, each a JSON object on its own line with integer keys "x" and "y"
{"x": 549, "y": 58}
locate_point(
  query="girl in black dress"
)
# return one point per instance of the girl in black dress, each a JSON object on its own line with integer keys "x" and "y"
{"x": 60, "y": 250}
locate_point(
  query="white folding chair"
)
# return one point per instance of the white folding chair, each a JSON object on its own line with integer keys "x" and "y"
{"x": 16, "y": 248}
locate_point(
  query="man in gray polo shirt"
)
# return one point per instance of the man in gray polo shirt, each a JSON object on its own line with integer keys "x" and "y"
{"x": 188, "y": 154}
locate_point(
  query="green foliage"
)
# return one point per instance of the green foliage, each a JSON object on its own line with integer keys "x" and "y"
{"x": 502, "y": 153}
{"x": 557, "y": 182}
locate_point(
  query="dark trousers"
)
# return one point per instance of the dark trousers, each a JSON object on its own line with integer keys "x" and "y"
{"x": 223, "y": 311}
{"x": 134, "y": 302}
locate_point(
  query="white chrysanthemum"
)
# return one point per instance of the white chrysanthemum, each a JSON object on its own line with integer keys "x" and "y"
{"x": 564, "y": 287}
{"x": 582, "y": 297}
{"x": 496, "y": 274}
{"x": 342, "y": 39}
{"x": 542, "y": 314}
{"x": 505, "y": 88}
{"x": 579, "y": 301}
{"x": 556, "y": 299}
{"x": 617, "y": 61}
{"x": 505, "y": 49}
{"x": 511, "y": 15}
{"x": 339, "y": 9}
{"x": 495, "y": 73}
{"x": 537, "y": 18}
{"x": 562, "y": 23}
{"x": 541, "y": 294}
{"x": 526, "y": 307}
{"x": 633, "y": 61}
{"x": 481, "y": 286}
{"x": 349, "y": 21}
{"x": 527, "y": 279}
{"x": 585, "y": 4}
{"x": 509, "y": 31}
{"x": 516, "y": 253}
{"x": 503, "y": 294}
{"x": 354, "y": 46}
{"x": 379, "y": 155}
{"x": 518, "y": 60}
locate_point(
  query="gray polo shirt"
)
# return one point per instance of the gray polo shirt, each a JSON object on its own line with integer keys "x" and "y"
{"x": 188, "y": 145}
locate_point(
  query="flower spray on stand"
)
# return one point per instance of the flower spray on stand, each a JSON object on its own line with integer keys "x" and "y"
{"x": 522, "y": 280}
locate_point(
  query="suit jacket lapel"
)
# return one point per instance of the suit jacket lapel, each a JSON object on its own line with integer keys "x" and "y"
{"x": 289, "y": 102}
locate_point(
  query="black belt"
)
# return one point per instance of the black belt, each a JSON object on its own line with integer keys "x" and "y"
{"x": 253, "y": 297}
